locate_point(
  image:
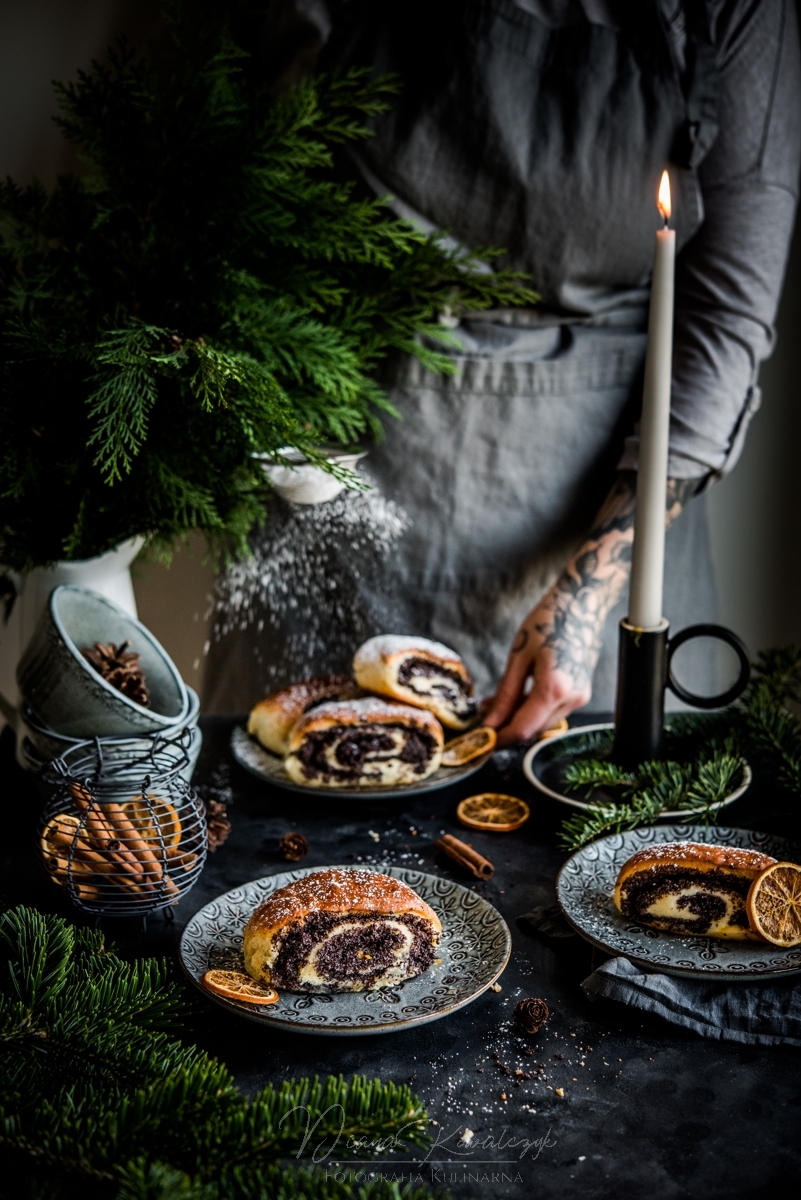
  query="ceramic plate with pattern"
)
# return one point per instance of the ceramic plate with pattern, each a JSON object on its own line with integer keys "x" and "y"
{"x": 474, "y": 950}
{"x": 586, "y": 885}
{"x": 545, "y": 761}
{"x": 269, "y": 767}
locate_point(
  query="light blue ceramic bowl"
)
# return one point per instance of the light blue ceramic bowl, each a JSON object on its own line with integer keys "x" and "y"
{"x": 47, "y": 744}
{"x": 116, "y": 752}
{"x": 66, "y": 695}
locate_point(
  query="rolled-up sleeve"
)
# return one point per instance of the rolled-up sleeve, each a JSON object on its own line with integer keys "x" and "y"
{"x": 729, "y": 275}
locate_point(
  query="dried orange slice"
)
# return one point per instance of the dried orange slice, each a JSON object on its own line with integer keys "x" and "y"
{"x": 773, "y": 904}
{"x": 493, "y": 812}
{"x": 59, "y": 827}
{"x": 236, "y": 985}
{"x": 160, "y": 816}
{"x": 469, "y": 745}
{"x": 560, "y": 727}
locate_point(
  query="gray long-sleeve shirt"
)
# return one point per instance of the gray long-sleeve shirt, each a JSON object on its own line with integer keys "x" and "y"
{"x": 729, "y": 275}
{"x": 738, "y": 210}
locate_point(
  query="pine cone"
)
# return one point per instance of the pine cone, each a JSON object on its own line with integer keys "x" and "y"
{"x": 217, "y": 824}
{"x": 120, "y": 667}
{"x": 531, "y": 1014}
{"x": 293, "y": 846}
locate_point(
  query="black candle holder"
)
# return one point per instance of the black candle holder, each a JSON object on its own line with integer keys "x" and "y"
{"x": 644, "y": 673}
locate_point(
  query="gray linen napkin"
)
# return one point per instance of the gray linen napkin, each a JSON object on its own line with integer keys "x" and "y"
{"x": 767, "y": 1014}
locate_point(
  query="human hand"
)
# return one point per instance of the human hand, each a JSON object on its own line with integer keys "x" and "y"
{"x": 557, "y": 646}
{"x": 550, "y": 652}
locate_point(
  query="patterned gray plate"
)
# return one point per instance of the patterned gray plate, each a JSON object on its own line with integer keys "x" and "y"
{"x": 474, "y": 950}
{"x": 269, "y": 767}
{"x": 586, "y": 885}
{"x": 542, "y": 758}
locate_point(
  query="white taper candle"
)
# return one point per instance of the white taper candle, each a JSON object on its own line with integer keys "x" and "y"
{"x": 648, "y": 552}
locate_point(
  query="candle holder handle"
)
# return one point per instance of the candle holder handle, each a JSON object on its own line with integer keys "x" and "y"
{"x": 644, "y": 672}
{"x": 723, "y": 635}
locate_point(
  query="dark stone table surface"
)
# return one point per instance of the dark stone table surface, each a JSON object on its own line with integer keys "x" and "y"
{"x": 649, "y": 1110}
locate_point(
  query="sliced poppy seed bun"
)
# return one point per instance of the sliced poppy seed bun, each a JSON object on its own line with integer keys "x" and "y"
{"x": 363, "y": 743}
{"x": 271, "y": 721}
{"x": 341, "y": 931}
{"x": 690, "y": 888}
{"x": 419, "y": 672}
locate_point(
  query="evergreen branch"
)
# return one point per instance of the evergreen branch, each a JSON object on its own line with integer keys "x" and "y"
{"x": 122, "y": 394}
{"x": 91, "y": 1091}
{"x": 704, "y": 754}
{"x": 211, "y": 289}
{"x": 601, "y": 819}
{"x": 709, "y": 768}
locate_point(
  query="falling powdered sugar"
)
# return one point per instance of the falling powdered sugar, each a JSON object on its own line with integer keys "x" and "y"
{"x": 316, "y": 584}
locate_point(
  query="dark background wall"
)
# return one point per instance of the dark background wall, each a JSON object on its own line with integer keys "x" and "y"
{"x": 755, "y": 512}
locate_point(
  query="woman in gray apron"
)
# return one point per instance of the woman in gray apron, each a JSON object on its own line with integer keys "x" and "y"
{"x": 542, "y": 126}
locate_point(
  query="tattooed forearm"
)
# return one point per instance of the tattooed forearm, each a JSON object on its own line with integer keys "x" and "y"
{"x": 571, "y": 618}
{"x": 550, "y": 668}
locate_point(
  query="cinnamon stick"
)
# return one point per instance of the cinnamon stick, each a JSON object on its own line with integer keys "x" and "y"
{"x": 110, "y": 828}
{"x": 101, "y": 829}
{"x": 127, "y": 832}
{"x": 60, "y": 866}
{"x": 87, "y": 891}
{"x": 181, "y": 858}
{"x": 465, "y": 856}
{"x": 103, "y": 864}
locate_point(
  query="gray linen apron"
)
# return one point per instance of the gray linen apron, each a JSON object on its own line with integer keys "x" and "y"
{"x": 548, "y": 142}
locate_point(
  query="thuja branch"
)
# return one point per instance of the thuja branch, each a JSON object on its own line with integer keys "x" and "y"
{"x": 213, "y": 289}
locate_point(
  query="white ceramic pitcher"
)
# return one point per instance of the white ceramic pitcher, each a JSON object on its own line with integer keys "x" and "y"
{"x": 109, "y": 574}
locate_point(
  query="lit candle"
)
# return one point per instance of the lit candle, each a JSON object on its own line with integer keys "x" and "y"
{"x": 648, "y": 552}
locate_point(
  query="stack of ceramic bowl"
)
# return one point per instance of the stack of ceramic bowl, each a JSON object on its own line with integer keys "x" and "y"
{"x": 66, "y": 703}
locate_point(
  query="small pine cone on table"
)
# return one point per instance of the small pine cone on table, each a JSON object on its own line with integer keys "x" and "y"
{"x": 531, "y": 1014}
{"x": 293, "y": 847}
{"x": 217, "y": 824}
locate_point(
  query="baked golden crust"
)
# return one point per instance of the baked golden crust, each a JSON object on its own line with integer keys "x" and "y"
{"x": 367, "y": 711}
{"x": 362, "y": 743}
{"x": 342, "y": 892}
{"x": 271, "y": 720}
{"x": 690, "y": 888}
{"x": 341, "y": 931}
{"x": 433, "y": 671}
{"x": 699, "y": 855}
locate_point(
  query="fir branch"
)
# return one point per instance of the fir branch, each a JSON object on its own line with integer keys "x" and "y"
{"x": 94, "y": 1092}
{"x": 592, "y": 773}
{"x": 704, "y": 755}
{"x": 707, "y": 767}
{"x": 601, "y": 819}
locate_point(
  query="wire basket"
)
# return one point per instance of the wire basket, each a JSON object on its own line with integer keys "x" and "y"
{"x": 123, "y": 839}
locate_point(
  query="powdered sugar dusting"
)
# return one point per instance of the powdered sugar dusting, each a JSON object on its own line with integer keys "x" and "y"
{"x": 378, "y": 648}
{"x": 371, "y": 708}
{"x": 358, "y": 890}
{"x": 293, "y": 700}
{"x": 727, "y": 856}
{"x": 315, "y": 586}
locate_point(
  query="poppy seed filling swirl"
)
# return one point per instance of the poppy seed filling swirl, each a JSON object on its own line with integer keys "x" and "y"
{"x": 424, "y": 677}
{"x": 360, "y": 949}
{"x": 346, "y": 753}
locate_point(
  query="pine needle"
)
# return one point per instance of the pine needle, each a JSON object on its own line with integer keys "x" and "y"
{"x": 703, "y": 763}
{"x": 98, "y": 1098}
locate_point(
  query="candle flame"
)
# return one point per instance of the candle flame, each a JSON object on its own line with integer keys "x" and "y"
{"x": 663, "y": 201}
